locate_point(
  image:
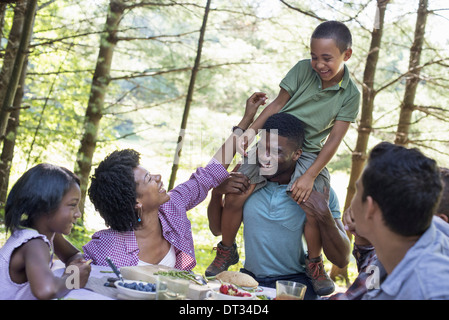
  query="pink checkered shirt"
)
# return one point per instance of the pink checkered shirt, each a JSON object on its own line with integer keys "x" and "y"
{"x": 122, "y": 247}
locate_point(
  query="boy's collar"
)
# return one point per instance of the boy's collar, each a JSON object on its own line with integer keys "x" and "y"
{"x": 345, "y": 80}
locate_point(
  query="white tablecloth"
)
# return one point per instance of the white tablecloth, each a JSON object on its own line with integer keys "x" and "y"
{"x": 95, "y": 289}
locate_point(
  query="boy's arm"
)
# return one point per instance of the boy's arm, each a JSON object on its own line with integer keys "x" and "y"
{"x": 302, "y": 187}
{"x": 274, "y": 107}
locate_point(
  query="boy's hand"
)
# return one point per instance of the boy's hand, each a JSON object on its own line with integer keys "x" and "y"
{"x": 302, "y": 188}
{"x": 253, "y": 103}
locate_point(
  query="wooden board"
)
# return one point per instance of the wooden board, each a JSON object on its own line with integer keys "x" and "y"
{"x": 147, "y": 273}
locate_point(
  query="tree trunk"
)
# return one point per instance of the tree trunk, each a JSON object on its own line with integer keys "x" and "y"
{"x": 408, "y": 103}
{"x": 10, "y": 137}
{"x": 189, "y": 99}
{"x": 22, "y": 52}
{"x": 2, "y": 18}
{"x": 364, "y": 130}
{"x": 95, "y": 104}
{"x": 12, "y": 83}
{"x": 8, "y": 62}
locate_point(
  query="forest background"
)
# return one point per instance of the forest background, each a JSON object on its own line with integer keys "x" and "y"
{"x": 81, "y": 79}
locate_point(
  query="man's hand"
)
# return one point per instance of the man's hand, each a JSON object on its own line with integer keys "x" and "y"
{"x": 349, "y": 223}
{"x": 317, "y": 205}
{"x": 336, "y": 244}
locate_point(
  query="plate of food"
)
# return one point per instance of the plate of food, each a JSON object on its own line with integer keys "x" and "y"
{"x": 239, "y": 279}
{"x": 136, "y": 289}
{"x": 229, "y": 292}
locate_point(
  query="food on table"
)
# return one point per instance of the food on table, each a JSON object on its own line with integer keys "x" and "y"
{"x": 181, "y": 274}
{"x": 237, "y": 278}
{"x": 139, "y": 286}
{"x": 231, "y": 290}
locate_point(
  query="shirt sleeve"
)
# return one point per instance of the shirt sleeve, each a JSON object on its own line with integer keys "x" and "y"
{"x": 194, "y": 191}
{"x": 350, "y": 108}
{"x": 363, "y": 256}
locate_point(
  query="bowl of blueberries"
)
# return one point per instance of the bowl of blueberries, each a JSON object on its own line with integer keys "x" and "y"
{"x": 136, "y": 289}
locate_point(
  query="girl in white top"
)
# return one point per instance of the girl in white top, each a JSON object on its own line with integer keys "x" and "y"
{"x": 41, "y": 207}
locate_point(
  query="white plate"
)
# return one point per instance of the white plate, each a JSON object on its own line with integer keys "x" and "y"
{"x": 133, "y": 293}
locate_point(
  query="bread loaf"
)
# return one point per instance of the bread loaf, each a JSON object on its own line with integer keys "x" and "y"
{"x": 237, "y": 278}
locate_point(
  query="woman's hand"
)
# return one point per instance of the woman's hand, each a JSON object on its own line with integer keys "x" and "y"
{"x": 237, "y": 183}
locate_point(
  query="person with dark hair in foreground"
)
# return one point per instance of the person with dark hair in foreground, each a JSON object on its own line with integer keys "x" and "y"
{"x": 147, "y": 224}
{"x": 401, "y": 242}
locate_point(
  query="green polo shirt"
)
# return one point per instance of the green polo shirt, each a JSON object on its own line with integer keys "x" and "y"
{"x": 319, "y": 109}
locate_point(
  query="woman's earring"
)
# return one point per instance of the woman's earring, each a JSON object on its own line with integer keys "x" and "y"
{"x": 139, "y": 214}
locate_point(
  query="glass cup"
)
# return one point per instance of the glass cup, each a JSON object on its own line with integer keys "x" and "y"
{"x": 290, "y": 290}
{"x": 171, "y": 288}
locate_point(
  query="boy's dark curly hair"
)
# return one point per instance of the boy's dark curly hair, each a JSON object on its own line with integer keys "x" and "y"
{"x": 113, "y": 190}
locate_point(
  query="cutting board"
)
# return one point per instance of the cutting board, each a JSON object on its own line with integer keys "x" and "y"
{"x": 147, "y": 273}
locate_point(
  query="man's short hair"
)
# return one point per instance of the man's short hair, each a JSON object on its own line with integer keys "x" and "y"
{"x": 405, "y": 184}
{"x": 287, "y": 126}
{"x": 334, "y": 30}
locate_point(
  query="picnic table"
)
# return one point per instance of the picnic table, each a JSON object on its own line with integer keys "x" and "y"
{"x": 95, "y": 288}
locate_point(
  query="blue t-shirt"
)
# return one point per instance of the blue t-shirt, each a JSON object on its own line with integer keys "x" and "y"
{"x": 273, "y": 231}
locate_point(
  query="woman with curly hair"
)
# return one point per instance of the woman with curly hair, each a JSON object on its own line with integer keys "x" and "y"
{"x": 148, "y": 225}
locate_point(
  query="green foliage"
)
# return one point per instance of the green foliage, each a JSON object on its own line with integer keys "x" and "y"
{"x": 249, "y": 46}
{"x": 80, "y": 235}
